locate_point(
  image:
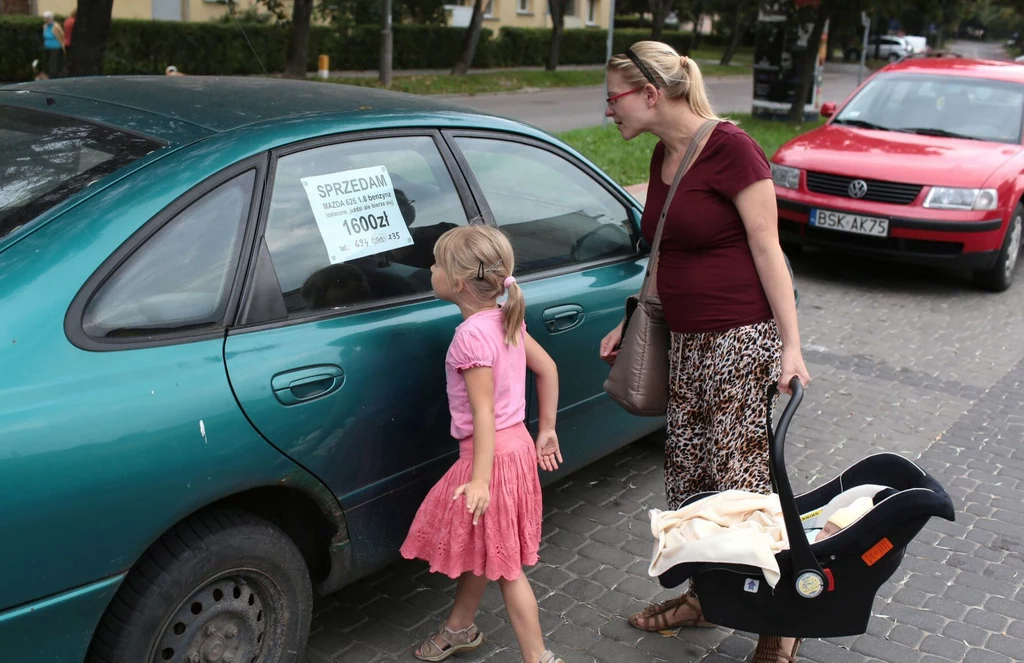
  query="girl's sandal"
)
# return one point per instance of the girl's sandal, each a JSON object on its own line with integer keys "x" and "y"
{"x": 769, "y": 650}
{"x": 548, "y": 657}
{"x": 655, "y": 617}
{"x": 467, "y": 639}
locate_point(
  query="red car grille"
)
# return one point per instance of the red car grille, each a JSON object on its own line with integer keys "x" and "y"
{"x": 878, "y": 191}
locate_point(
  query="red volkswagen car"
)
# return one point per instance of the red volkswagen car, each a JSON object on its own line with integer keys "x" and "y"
{"x": 923, "y": 164}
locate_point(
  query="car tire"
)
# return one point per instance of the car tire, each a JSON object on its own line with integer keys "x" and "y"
{"x": 893, "y": 57}
{"x": 222, "y": 585}
{"x": 1000, "y": 277}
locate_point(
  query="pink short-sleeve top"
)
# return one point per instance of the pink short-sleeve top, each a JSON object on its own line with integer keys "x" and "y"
{"x": 480, "y": 341}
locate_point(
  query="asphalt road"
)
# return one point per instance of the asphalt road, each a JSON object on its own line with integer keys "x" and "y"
{"x": 575, "y": 108}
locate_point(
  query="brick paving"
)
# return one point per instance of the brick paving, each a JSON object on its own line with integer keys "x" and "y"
{"x": 903, "y": 359}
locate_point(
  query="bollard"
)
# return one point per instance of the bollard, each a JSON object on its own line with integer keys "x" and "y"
{"x": 324, "y": 66}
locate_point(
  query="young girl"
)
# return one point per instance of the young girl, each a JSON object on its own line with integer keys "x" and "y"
{"x": 482, "y": 520}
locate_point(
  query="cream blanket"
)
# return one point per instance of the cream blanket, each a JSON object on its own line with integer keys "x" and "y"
{"x": 732, "y": 527}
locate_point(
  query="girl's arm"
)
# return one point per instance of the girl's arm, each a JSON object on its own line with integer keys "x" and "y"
{"x": 546, "y": 372}
{"x": 480, "y": 386}
{"x": 759, "y": 211}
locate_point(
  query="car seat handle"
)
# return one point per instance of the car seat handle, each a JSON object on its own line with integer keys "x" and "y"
{"x": 807, "y": 576}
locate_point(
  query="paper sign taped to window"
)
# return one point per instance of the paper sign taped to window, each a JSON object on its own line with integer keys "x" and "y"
{"x": 357, "y": 213}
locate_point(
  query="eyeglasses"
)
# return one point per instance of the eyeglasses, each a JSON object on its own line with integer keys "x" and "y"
{"x": 611, "y": 100}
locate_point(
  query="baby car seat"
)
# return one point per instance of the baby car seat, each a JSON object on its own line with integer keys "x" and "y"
{"x": 826, "y": 588}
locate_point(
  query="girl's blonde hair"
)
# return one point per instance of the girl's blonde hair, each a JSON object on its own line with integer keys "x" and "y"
{"x": 480, "y": 258}
{"x": 678, "y": 76}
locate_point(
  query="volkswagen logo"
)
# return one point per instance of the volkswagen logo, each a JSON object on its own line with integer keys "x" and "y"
{"x": 857, "y": 189}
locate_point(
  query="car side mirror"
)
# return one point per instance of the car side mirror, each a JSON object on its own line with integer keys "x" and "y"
{"x": 642, "y": 246}
{"x": 828, "y": 109}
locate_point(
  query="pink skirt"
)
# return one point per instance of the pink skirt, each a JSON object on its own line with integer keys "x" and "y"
{"x": 506, "y": 538}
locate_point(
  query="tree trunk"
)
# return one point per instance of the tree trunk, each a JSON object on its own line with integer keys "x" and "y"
{"x": 92, "y": 28}
{"x": 739, "y": 26}
{"x": 796, "y": 111}
{"x": 298, "y": 43}
{"x": 557, "y": 10}
{"x": 470, "y": 40}
{"x": 698, "y": 12}
{"x": 659, "y": 9}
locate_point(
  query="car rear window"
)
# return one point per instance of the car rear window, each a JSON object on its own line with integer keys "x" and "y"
{"x": 46, "y": 158}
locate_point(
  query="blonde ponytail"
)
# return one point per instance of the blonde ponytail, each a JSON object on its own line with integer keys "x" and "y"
{"x": 513, "y": 312}
{"x": 696, "y": 92}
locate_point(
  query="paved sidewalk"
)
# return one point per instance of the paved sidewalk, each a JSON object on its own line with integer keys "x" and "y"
{"x": 903, "y": 359}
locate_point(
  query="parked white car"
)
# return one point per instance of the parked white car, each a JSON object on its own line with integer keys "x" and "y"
{"x": 884, "y": 47}
{"x": 919, "y": 44}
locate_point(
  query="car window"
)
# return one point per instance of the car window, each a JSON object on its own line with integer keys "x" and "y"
{"x": 46, "y": 158}
{"x": 356, "y": 222}
{"x": 180, "y": 278}
{"x": 954, "y": 105}
{"x": 554, "y": 214}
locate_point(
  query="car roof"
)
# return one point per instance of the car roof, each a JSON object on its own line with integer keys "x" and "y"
{"x": 178, "y": 108}
{"x": 997, "y": 70}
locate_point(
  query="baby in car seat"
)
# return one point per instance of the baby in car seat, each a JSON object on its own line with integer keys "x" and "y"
{"x": 840, "y": 519}
{"x": 843, "y": 509}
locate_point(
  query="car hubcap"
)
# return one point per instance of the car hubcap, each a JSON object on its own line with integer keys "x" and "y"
{"x": 1013, "y": 250}
{"x": 224, "y": 621}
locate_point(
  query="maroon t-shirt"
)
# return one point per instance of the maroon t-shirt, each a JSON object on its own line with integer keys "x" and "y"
{"x": 707, "y": 280}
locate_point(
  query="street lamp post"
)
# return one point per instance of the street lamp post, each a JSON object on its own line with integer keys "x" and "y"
{"x": 608, "y": 52}
{"x": 386, "y": 45}
{"x": 866, "y": 22}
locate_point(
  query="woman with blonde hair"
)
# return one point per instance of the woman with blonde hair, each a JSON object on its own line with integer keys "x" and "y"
{"x": 725, "y": 289}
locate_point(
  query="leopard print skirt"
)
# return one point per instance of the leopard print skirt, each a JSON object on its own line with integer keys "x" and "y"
{"x": 717, "y": 410}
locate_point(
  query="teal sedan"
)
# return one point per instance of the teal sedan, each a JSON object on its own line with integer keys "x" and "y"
{"x": 223, "y": 372}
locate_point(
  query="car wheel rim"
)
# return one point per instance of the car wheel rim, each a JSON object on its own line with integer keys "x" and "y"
{"x": 229, "y": 619}
{"x": 1013, "y": 250}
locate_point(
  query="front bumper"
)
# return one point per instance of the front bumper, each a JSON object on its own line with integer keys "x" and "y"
{"x": 971, "y": 245}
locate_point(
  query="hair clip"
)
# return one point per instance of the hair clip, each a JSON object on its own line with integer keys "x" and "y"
{"x": 480, "y": 272}
{"x": 642, "y": 67}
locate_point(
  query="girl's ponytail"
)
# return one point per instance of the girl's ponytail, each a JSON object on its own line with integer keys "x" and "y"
{"x": 513, "y": 312}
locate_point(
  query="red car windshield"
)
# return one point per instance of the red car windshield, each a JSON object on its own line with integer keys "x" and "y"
{"x": 46, "y": 158}
{"x": 950, "y": 106}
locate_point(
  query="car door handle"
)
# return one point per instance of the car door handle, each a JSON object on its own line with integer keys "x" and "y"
{"x": 562, "y": 318}
{"x": 306, "y": 384}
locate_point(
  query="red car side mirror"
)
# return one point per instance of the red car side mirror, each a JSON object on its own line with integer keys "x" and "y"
{"x": 828, "y": 109}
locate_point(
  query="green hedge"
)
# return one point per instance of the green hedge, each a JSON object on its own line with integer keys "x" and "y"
{"x": 529, "y": 46}
{"x": 147, "y": 47}
{"x": 21, "y": 41}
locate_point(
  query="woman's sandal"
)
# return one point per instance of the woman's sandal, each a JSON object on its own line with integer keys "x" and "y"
{"x": 548, "y": 657}
{"x": 655, "y": 617}
{"x": 769, "y": 650}
{"x": 467, "y": 639}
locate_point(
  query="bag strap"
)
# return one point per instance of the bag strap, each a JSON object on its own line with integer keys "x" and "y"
{"x": 684, "y": 165}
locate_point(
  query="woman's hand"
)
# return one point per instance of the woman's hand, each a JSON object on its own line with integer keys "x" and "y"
{"x": 610, "y": 343}
{"x": 478, "y": 498}
{"x": 792, "y": 366}
{"x": 548, "y": 453}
